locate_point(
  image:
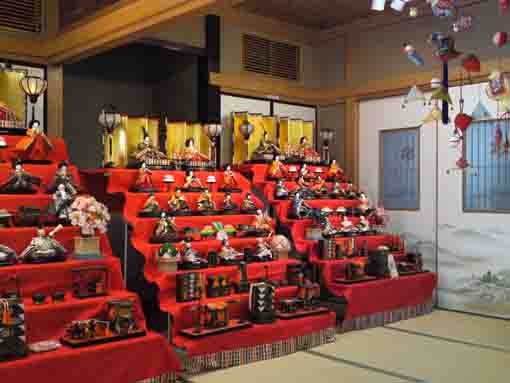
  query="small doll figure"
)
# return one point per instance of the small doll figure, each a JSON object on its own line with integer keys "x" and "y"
{"x": 151, "y": 207}
{"x": 44, "y": 248}
{"x": 20, "y": 181}
{"x": 61, "y": 205}
{"x": 228, "y": 204}
{"x": 248, "y": 205}
{"x": 229, "y": 255}
{"x": 276, "y": 170}
{"x": 192, "y": 182}
{"x": 281, "y": 191}
{"x": 319, "y": 186}
{"x": 205, "y": 202}
{"x": 229, "y": 181}
{"x": 263, "y": 222}
{"x": 143, "y": 183}
{"x": 191, "y": 259}
{"x": 177, "y": 203}
{"x": 364, "y": 225}
{"x": 35, "y": 146}
{"x": 165, "y": 230}
{"x": 63, "y": 177}
{"x": 263, "y": 252}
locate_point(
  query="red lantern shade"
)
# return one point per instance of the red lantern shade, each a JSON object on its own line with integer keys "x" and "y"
{"x": 462, "y": 121}
{"x": 471, "y": 64}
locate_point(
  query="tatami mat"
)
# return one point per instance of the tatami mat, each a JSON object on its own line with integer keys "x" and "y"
{"x": 426, "y": 358}
{"x": 492, "y": 333}
{"x": 296, "y": 368}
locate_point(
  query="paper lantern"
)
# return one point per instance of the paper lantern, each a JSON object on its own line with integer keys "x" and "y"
{"x": 471, "y": 64}
{"x": 499, "y": 39}
{"x": 462, "y": 121}
{"x": 246, "y": 129}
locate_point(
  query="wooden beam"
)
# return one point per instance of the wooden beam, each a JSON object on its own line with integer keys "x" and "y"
{"x": 352, "y": 139}
{"x": 55, "y": 101}
{"x": 121, "y": 25}
{"x": 265, "y": 87}
{"x": 22, "y": 47}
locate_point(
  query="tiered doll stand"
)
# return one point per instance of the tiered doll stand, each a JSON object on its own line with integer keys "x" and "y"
{"x": 127, "y": 360}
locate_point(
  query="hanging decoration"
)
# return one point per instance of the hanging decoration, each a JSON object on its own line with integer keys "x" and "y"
{"x": 462, "y": 24}
{"x": 434, "y": 115}
{"x": 498, "y": 87}
{"x": 414, "y": 95}
{"x": 443, "y": 8}
{"x": 412, "y": 55}
{"x": 481, "y": 112}
{"x": 471, "y": 64}
{"x": 441, "y": 94}
{"x": 503, "y": 6}
{"x": 445, "y": 46}
{"x": 499, "y": 39}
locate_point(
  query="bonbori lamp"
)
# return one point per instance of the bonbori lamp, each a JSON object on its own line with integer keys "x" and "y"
{"x": 33, "y": 86}
{"x": 108, "y": 120}
{"x": 213, "y": 132}
{"x": 246, "y": 130}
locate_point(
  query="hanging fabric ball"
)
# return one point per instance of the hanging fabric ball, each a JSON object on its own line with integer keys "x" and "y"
{"x": 471, "y": 64}
{"x": 462, "y": 122}
{"x": 503, "y": 6}
{"x": 499, "y": 39}
{"x": 462, "y": 163}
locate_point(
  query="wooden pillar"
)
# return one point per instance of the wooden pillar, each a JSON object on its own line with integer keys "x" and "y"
{"x": 55, "y": 101}
{"x": 352, "y": 139}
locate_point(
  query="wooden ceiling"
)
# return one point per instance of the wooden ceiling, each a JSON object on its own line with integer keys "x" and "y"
{"x": 313, "y": 14}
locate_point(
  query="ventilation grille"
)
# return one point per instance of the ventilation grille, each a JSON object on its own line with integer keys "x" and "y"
{"x": 271, "y": 58}
{"x": 21, "y": 15}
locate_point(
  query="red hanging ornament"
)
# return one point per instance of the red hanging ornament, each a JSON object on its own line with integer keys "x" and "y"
{"x": 471, "y": 64}
{"x": 500, "y": 38}
{"x": 503, "y": 6}
{"x": 462, "y": 122}
{"x": 462, "y": 163}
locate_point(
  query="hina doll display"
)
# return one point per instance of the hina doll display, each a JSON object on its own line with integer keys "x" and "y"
{"x": 7, "y": 256}
{"x": 263, "y": 222}
{"x": 63, "y": 177}
{"x": 299, "y": 208}
{"x": 190, "y": 153}
{"x": 281, "y": 191}
{"x": 35, "y": 147}
{"x": 305, "y": 172}
{"x": 61, "y": 204}
{"x": 205, "y": 203}
{"x": 192, "y": 183}
{"x": 20, "y": 181}
{"x": 304, "y": 188}
{"x": 143, "y": 183}
{"x": 228, "y": 255}
{"x": 145, "y": 151}
{"x": 165, "y": 230}
{"x": 306, "y": 153}
{"x": 178, "y": 204}
{"x": 263, "y": 252}
{"x": 364, "y": 206}
{"x": 190, "y": 259}
{"x": 364, "y": 226}
{"x": 229, "y": 206}
{"x": 347, "y": 226}
{"x": 276, "y": 170}
{"x": 229, "y": 181}
{"x": 44, "y": 248}
{"x": 248, "y": 206}
{"x": 335, "y": 173}
{"x": 266, "y": 150}
{"x": 319, "y": 187}
{"x": 337, "y": 191}
{"x": 349, "y": 192}
{"x": 328, "y": 230}
{"x": 151, "y": 207}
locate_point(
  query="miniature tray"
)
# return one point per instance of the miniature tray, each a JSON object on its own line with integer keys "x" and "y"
{"x": 232, "y": 326}
{"x": 354, "y": 281}
{"x": 76, "y": 343}
{"x": 301, "y": 313}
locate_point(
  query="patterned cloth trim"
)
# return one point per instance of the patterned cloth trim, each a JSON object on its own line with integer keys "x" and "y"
{"x": 171, "y": 377}
{"x": 231, "y": 358}
{"x": 381, "y": 319}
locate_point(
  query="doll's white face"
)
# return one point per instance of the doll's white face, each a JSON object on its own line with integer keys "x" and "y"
{"x": 61, "y": 188}
{"x": 18, "y": 168}
{"x": 333, "y": 162}
{"x": 163, "y": 215}
{"x": 40, "y": 233}
{"x": 259, "y": 212}
{"x": 277, "y": 158}
{"x": 191, "y": 173}
{"x": 228, "y": 168}
{"x": 147, "y": 140}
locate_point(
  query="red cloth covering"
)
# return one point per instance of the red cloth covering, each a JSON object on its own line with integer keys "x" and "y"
{"x": 386, "y": 294}
{"x": 121, "y": 180}
{"x": 129, "y": 360}
{"x": 135, "y": 201}
{"x": 256, "y": 335}
{"x": 47, "y": 278}
{"x": 59, "y": 152}
{"x": 46, "y": 173}
{"x": 95, "y": 181}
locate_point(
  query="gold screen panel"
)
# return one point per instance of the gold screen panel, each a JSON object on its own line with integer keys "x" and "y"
{"x": 239, "y": 144}
{"x": 269, "y": 125}
{"x": 11, "y": 95}
{"x": 308, "y": 130}
{"x": 178, "y": 132}
{"x": 134, "y": 131}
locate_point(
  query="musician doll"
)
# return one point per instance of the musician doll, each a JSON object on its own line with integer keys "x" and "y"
{"x": 229, "y": 181}
{"x": 20, "y": 181}
{"x": 143, "y": 183}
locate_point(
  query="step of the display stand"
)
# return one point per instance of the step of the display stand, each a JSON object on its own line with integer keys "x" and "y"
{"x": 130, "y": 360}
{"x": 276, "y": 270}
{"x": 49, "y": 320}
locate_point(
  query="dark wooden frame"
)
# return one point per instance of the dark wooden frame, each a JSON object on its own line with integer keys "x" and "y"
{"x": 381, "y": 168}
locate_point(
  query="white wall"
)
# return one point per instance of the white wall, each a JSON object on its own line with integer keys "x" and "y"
{"x": 469, "y": 243}
{"x": 230, "y": 104}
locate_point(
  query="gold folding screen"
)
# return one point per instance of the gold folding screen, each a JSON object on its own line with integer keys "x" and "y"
{"x": 291, "y": 130}
{"x": 242, "y": 149}
{"x": 129, "y": 134}
{"x": 178, "y": 132}
{"x": 12, "y": 96}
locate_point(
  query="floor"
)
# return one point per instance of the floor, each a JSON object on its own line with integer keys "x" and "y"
{"x": 440, "y": 347}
